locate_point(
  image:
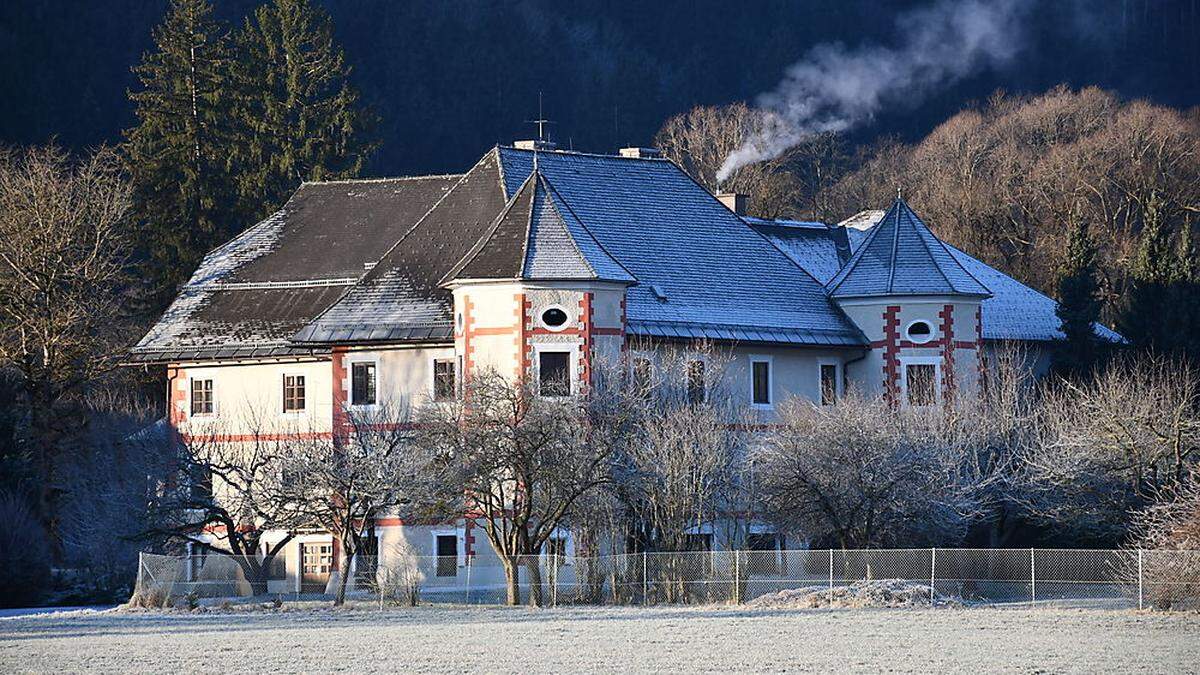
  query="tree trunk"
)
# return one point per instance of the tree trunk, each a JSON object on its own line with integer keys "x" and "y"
{"x": 344, "y": 574}
{"x": 537, "y": 594}
{"x": 512, "y": 580}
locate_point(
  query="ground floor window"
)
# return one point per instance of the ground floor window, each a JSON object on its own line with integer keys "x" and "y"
{"x": 554, "y": 373}
{"x": 447, "y": 555}
{"x": 763, "y": 556}
{"x": 921, "y": 384}
{"x": 316, "y": 563}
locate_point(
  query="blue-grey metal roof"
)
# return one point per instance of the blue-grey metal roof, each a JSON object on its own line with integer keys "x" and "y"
{"x": 709, "y": 266}
{"x": 900, "y": 256}
{"x": 1014, "y": 311}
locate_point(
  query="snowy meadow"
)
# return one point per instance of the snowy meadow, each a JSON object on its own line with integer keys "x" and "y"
{"x": 626, "y": 639}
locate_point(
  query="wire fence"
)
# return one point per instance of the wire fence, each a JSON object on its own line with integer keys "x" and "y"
{"x": 1073, "y": 577}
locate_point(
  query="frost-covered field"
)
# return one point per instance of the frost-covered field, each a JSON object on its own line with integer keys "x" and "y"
{"x": 606, "y": 639}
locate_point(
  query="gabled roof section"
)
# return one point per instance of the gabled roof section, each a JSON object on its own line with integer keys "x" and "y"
{"x": 900, "y": 256}
{"x": 400, "y": 299}
{"x": 538, "y": 237}
{"x": 249, "y": 295}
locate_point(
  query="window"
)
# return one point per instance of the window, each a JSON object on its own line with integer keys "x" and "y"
{"x": 641, "y": 381}
{"x": 696, "y": 392}
{"x": 760, "y": 382}
{"x": 447, "y": 555}
{"x": 554, "y": 374}
{"x": 919, "y": 332}
{"x": 202, "y": 397}
{"x": 829, "y": 384}
{"x": 362, "y": 384}
{"x": 197, "y": 556}
{"x": 278, "y": 568}
{"x": 554, "y": 318}
{"x": 697, "y": 542}
{"x": 921, "y": 383}
{"x": 293, "y": 393}
{"x": 445, "y": 384}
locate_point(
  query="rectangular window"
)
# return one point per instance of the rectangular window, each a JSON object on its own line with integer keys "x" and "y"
{"x": 362, "y": 384}
{"x": 761, "y": 382}
{"x": 554, "y": 374}
{"x": 447, "y": 555}
{"x": 763, "y": 556}
{"x": 829, "y": 384}
{"x": 293, "y": 393}
{"x": 202, "y": 397}
{"x": 921, "y": 381}
{"x": 641, "y": 377}
{"x": 696, "y": 392}
{"x": 445, "y": 386}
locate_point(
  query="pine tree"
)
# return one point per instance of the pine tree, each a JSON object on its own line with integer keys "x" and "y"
{"x": 178, "y": 153}
{"x": 1078, "y": 303}
{"x": 304, "y": 117}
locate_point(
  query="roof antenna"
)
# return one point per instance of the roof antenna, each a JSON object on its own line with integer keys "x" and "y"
{"x": 898, "y": 197}
{"x": 541, "y": 121}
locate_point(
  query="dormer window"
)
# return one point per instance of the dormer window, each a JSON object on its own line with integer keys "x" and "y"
{"x": 919, "y": 332}
{"x": 554, "y": 318}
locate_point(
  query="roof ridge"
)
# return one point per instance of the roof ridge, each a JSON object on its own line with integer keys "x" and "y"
{"x": 487, "y": 236}
{"x": 581, "y": 153}
{"x": 528, "y": 224}
{"x": 380, "y": 179}
{"x": 891, "y": 287}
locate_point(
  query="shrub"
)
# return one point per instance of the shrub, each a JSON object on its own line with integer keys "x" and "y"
{"x": 24, "y": 554}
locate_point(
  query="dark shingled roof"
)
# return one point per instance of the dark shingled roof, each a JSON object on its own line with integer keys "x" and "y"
{"x": 250, "y": 295}
{"x": 902, "y": 257}
{"x": 400, "y": 299}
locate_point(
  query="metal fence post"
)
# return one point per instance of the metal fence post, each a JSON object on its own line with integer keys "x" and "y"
{"x": 469, "y": 558}
{"x": 737, "y": 578}
{"x": 932, "y": 573}
{"x": 830, "y": 578}
{"x": 1140, "y": 596}
{"x": 554, "y": 579}
{"x": 645, "y": 578}
{"x": 1032, "y": 578}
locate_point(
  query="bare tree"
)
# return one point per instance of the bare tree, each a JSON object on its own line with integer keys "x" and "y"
{"x": 700, "y": 139}
{"x": 223, "y": 492}
{"x": 63, "y": 249}
{"x": 1110, "y": 446}
{"x": 523, "y": 462}
{"x": 1168, "y": 532}
{"x": 341, "y": 482}
{"x": 863, "y": 474}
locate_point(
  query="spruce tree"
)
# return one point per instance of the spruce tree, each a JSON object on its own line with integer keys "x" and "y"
{"x": 1148, "y": 317}
{"x": 1078, "y": 303}
{"x": 178, "y": 153}
{"x": 295, "y": 97}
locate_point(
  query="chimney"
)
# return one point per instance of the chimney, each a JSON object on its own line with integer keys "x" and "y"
{"x": 734, "y": 201}
{"x": 534, "y": 144}
{"x": 640, "y": 153}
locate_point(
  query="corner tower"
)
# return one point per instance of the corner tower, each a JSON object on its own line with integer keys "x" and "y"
{"x": 919, "y": 308}
{"x": 537, "y": 296}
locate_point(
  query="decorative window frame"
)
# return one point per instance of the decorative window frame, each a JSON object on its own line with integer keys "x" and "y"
{"x": 572, "y": 318}
{"x": 350, "y": 363}
{"x": 839, "y": 390}
{"x": 770, "y": 361}
{"x": 929, "y": 338}
{"x": 296, "y": 545}
{"x": 572, "y": 350}
{"x": 936, "y": 362}
{"x": 460, "y": 548}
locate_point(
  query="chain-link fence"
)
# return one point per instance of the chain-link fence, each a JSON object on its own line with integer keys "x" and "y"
{"x": 1099, "y": 578}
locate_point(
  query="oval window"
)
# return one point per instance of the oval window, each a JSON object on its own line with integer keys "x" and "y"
{"x": 919, "y": 331}
{"x": 554, "y": 317}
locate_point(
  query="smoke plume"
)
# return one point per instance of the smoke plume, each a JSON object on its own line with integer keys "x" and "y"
{"x": 834, "y": 88}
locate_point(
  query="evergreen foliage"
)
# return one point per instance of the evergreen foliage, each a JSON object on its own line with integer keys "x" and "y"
{"x": 229, "y": 124}
{"x": 178, "y": 154}
{"x": 1160, "y": 310}
{"x": 301, "y": 114}
{"x": 1078, "y": 303}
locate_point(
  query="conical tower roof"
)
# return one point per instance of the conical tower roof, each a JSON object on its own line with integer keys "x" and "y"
{"x": 900, "y": 256}
{"x": 538, "y": 237}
